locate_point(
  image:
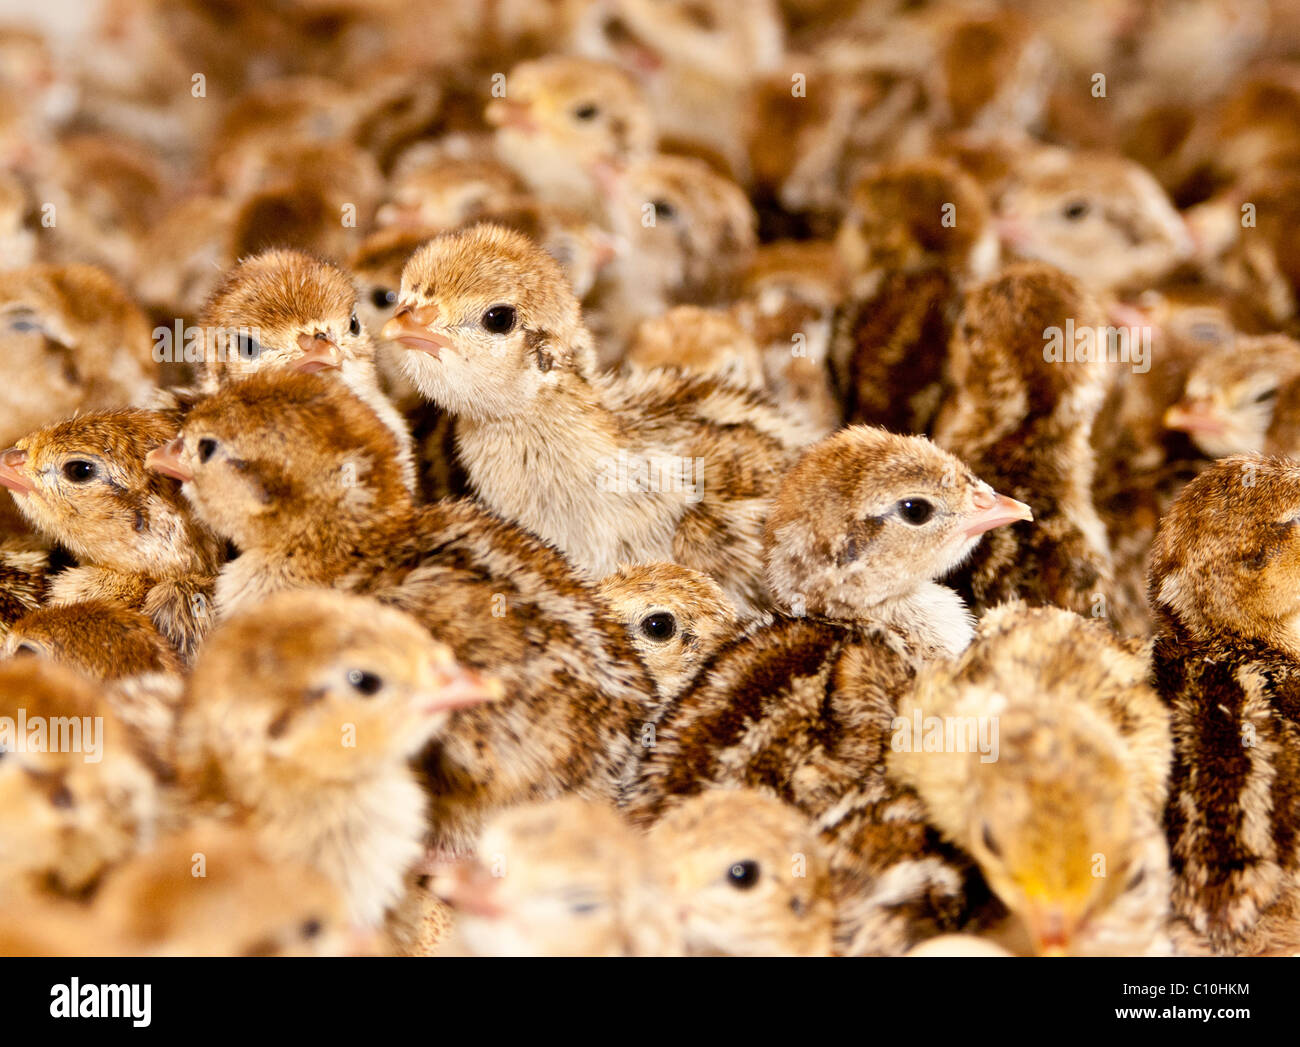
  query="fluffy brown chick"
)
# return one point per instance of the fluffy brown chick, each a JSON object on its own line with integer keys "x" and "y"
{"x": 1043, "y": 753}
{"x": 1223, "y": 582}
{"x": 302, "y": 477}
{"x": 695, "y": 340}
{"x": 564, "y": 878}
{"x": 565, "y": 123}
{"x": 76, "y": 798}
{"x": 676, "y": 617}
{"x": 285, "y": 309}
{"x": 1243, "y": 398}
{"x": 212, "y": 891}
{"x": 304, "y": 713}
{"x": 83, "y": 483}
{"x": 687, "y": 232}
{"x": 747, "y": 874}
{"x": 612, "y": 470}
{"x": 801, "y": 708}
{"x": 1101, "y": 218}
{"x": 915, "y": 234}
{"x": 1022, "y": 420}
{"x": 71, "y": 340}
{"x": 98, "y": 639}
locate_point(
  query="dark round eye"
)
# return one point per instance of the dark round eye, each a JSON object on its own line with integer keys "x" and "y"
{"x": 382, "y": 297}
{"x": 1076, "y": 209}
{"x": 24, "y": 325}
{"x": 1137, "y": 879}
{"x": 61, "y": 797}
{"x": 354, "y": 325}
{"x": 664, "y": 210}
{"x": 364, "y": 683}
{"x": 207, "y": 448}
{"x": 1266, "y": 396}
{"x": 311, "y": 928}
{"x": 79, "y": 471}
{"x": 249, "y": 348}
{"x": 26, "y": 650}
{"x": 660, "y": 626}
{"x": 915, "y": 511}
{"x": 499, "y": 319}
{"x": 586, "y": 112}
{"x": 990, "y": 843}
{"x": 743, "y": 875}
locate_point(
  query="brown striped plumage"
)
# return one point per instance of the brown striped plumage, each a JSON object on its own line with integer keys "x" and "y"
{"x": 302, "y": 479}
{"x": 1226, "y": 659}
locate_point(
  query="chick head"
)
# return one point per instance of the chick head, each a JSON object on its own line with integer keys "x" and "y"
{"x": 747, "y": 876}
{"x": 266, "y": 460}
{"x": 1232, "y": 393}
{"x": 866, "y": 516}
{"x": 101, "y": 640}
{"x": 83, "y": 483}
{"x": 76, "y": 798}
{"x": 319, "y": 686}
{"x": 564, "y": 878}
{"x": 1226, "y": 556}
{"x": 489, "y": 323}
{"x": 283, "y": 309}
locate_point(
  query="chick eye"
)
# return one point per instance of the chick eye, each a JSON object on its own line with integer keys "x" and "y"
{"x": 310, "y": 928}
{"x": 1266, "y": 396}
{"x": 1075, "y": 210}
{"x": 990, "y": 843}
{"x": 382, "y": 297}
{"x": 1136, "y": 880}
{"x": 354, "y": 326}
{"x": 660, "y": 626}
{"x": 743, "y": 875}
{"x": 664, "y": 210}
{"x": 248, "y": 347}
{"x": 62, "y": 797}
{"x": 207, "y": 448}
{"x": 915, "y": 511}
{"x": 363, "y": 682}
{"x": 586, "y": 112}
{"x": 25, "y": 650}
{"x": 24, "y": 326}
{"x": 499, "y": 319}
{"x": 79, "y": 471}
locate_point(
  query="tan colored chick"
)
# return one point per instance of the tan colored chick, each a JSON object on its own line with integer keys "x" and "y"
{"x": 1063, "y": 810}
{"x": 71, "y": 340}
{"x": 304, "y": 713}
{"x": 747, "y": 874}
{"x": 606, "y": 468}
{"x": 564, "y": 878}
{"x": 98, "y": 639}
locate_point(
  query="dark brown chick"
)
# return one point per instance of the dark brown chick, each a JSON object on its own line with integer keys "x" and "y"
{"x": 1223, "y": 585}
{"x": 302, "y": 477}
{"x": 1023, "y": 420}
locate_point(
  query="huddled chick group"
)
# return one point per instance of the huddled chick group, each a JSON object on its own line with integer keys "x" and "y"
{"x": 692, "y": 477}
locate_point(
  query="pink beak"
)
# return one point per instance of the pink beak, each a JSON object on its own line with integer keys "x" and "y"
{"x": 167, "y": 461}
{"x": 11, "y": 463}
{"x": 409, "y": 328}
{"x": 319, "y": 354}
{"x": 995, "y": 510}
{"x": 1194, "y": 417}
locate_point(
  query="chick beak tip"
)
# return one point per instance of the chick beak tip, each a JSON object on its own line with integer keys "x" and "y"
{"x": 11, "y": 475}
{"x": 167, "y": 461}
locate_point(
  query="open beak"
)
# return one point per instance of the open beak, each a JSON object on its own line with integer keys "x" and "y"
{"x": 1195, "y": 417}
{"x": 504, "y": 112}
{"x": 995, "y": 510}
{"x": 409, "y": 329}
{"x": 167, "y": 460}
{"x": 11, "y": 475}
{"x": 318, "y": 354}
